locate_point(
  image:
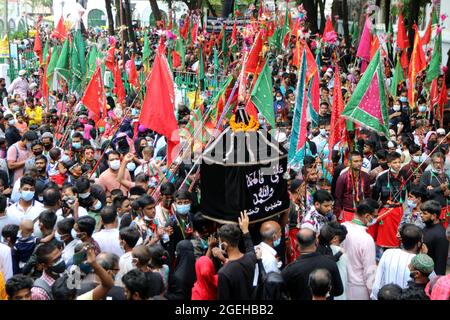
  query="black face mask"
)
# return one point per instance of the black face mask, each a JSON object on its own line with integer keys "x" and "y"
{"x": 384, "y": 166}
{"x": 431, "y": 145}
{"x": 58, "y": 267}
{"x": 48, "y": 147}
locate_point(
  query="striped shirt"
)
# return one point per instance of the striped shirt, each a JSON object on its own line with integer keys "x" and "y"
{"x": 39, "y": 293}
{"x": 393, "y": 268}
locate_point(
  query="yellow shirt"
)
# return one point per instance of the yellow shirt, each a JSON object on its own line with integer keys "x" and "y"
{"x": 35, "y": 115}
{"x": 3, "y": 295}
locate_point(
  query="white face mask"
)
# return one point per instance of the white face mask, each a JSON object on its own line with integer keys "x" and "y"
{"x": 114, "y": 164}
{"x": 417, "y": 159}
{"x": 396, "y": 108}
{"x": 279, "y": 98}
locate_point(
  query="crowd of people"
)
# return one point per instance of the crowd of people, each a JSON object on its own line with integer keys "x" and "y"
{"x": 93, "y": 211}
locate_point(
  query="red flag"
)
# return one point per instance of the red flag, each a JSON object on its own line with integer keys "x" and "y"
{"x": 94, "y": 97}
{"x": 337, "y": 127}
{"x": 185, "y": 29}
{"x": 119, "y": 89}
{"x": 176, "y": 59}
{"x": 60, "y": 31}
{"x": 251, "y": 109}
{"x": 416, "y": 65}
{"x": 233, "y": 35}
{"x": 443, "y": 99}
{"x": 109, "y": 60}
{"x": 194, "y": 32}
{"x": 130, "y": 66}
{"x": 328, "y": 26}
{"x": 402, "y": 39}
{"x": 38, "y": 45}
{"x": 158, "y": 107}
{"x": 310, "y": 60}
{"x": 270, "y": 29}
{"x": 254, "y": 60}
{"x": 427, "y": 35}
{"x": 404, "y": 60}
{"x": 374, "y": 46}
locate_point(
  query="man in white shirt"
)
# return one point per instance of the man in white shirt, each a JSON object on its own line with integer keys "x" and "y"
{"x": 26, "y": 207}
{"x": 360, "y": 249}
{"x": 129, "y": 238}
{"x": 64, "y": 234}
{"x": 108, "y": 237}
{"x": 19, "y": 85}
{"x": 270, "y": 232}
{"x": 393, "y": 265}
{"x": 5, "y": 261}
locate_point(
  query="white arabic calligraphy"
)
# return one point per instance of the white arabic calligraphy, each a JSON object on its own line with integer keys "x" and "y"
{"x": 273, "y": 206}
{"x": 264, "y": 194}
{"x": 255, "y": 177}
{"x": 253, "y": 211}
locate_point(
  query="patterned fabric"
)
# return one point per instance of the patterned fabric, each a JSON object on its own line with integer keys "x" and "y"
{"x": 440, "y": 290}
{"x": 39, "y": 293}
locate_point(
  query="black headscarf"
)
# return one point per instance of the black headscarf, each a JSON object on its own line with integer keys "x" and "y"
{"x": 184, "y": 276}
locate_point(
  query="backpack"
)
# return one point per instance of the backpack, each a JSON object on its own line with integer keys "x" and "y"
{"x": 39, "y": 283}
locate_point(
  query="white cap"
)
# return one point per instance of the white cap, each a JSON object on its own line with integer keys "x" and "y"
{"x": 22, "y": 72}
{"x": 33, "y": 85}
{"x": 441, "y": 131}
{"x": 390, "y": 144}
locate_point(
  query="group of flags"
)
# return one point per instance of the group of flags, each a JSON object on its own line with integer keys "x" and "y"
{"x": 367, "y": 105}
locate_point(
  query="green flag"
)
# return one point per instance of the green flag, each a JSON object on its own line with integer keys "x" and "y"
{"x": 52, "y": 64}
{"x": 201, "y": 66}
{"x": 180, "y": 49}
{"x": 261, "y": 95}
{"x": 92, "y": 61}
{"x": 286, "y": 28}
{"x": 62, "y": 68}
{"x": 146, "y": 50}
{"x": 354, "y": 33}
{"x": 275, "y": 39}
{"x": 216, "y": 66}
{"x": 367, "y": 105}
{"x": 77, "y": 62}
{"x": 398, "y": 76}
{"x": 434, "y": 69}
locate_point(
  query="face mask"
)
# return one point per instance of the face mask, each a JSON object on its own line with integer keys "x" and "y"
{"x": 28, "y": 145}
{"x": 74, "y": 234}
{"x": 411, "y": 204}
{"x": 131, "y": 166}
{"x": 277, "y": 242}
{"x": 134, "y": 112}
{"x": 48, "y": 147}
{"x": 58, "y": 267}
{"x": 431, "y": 145}
{"x": 97, "y": 206}
{"x": 396, "y": 108}
{"x": 371, "y": 222}
{"x": 436, "y": 171}
{"x": 114, "y": 165}
{"x": 323, "y": 132}
{"x": 384, "y": 166}
{"x": 412, "y": 274}
{"x": 416, "y": 159}
{"x": 84, "y": 195}
{"x": 403, "y": 99}
{"x": 58, "y": 236}
{"x": 183, "y": 208}
{"x": 422, "y": 108}
{"x": 148, "y": 219}
{"x": 394, "y": 171}
{"x": 83, "y": 121}
{"x": 76, "y": 145}
{"x": 65, "y": 158}
{"x": 27, "y": 195}
{"x": 16, "y": 108}
{"x": 11, "y": 122}
{"x": 279, "y": 98}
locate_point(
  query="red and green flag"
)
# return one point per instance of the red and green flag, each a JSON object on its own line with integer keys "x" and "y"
{"x": 367, "y": 106}
{"x": 262, "y": 96}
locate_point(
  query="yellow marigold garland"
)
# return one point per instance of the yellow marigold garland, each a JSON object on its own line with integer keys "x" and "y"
{"x": 253, "y": 125}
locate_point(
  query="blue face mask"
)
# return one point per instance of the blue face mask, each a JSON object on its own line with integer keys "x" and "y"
{"x": 58, "y": 236}
{"x": 183, "y": 208}
{"x": 27, "y": 195}
{"x": 277, "y": 242}
{"x": 97, "y": 206}
{"x": 411, "y": 204}
{"x": 131, "y": 166}
{"x": 76, "y": 145}
{"x": 403, "y": 99}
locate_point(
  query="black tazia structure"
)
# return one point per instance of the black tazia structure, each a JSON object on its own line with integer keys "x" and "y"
{"x": 243, "y": 170}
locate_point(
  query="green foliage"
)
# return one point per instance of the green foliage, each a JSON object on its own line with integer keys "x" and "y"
{"x": 18, "y": 35}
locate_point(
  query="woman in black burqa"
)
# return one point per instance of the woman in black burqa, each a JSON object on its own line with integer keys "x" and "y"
{"x": 183, "y": 278}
